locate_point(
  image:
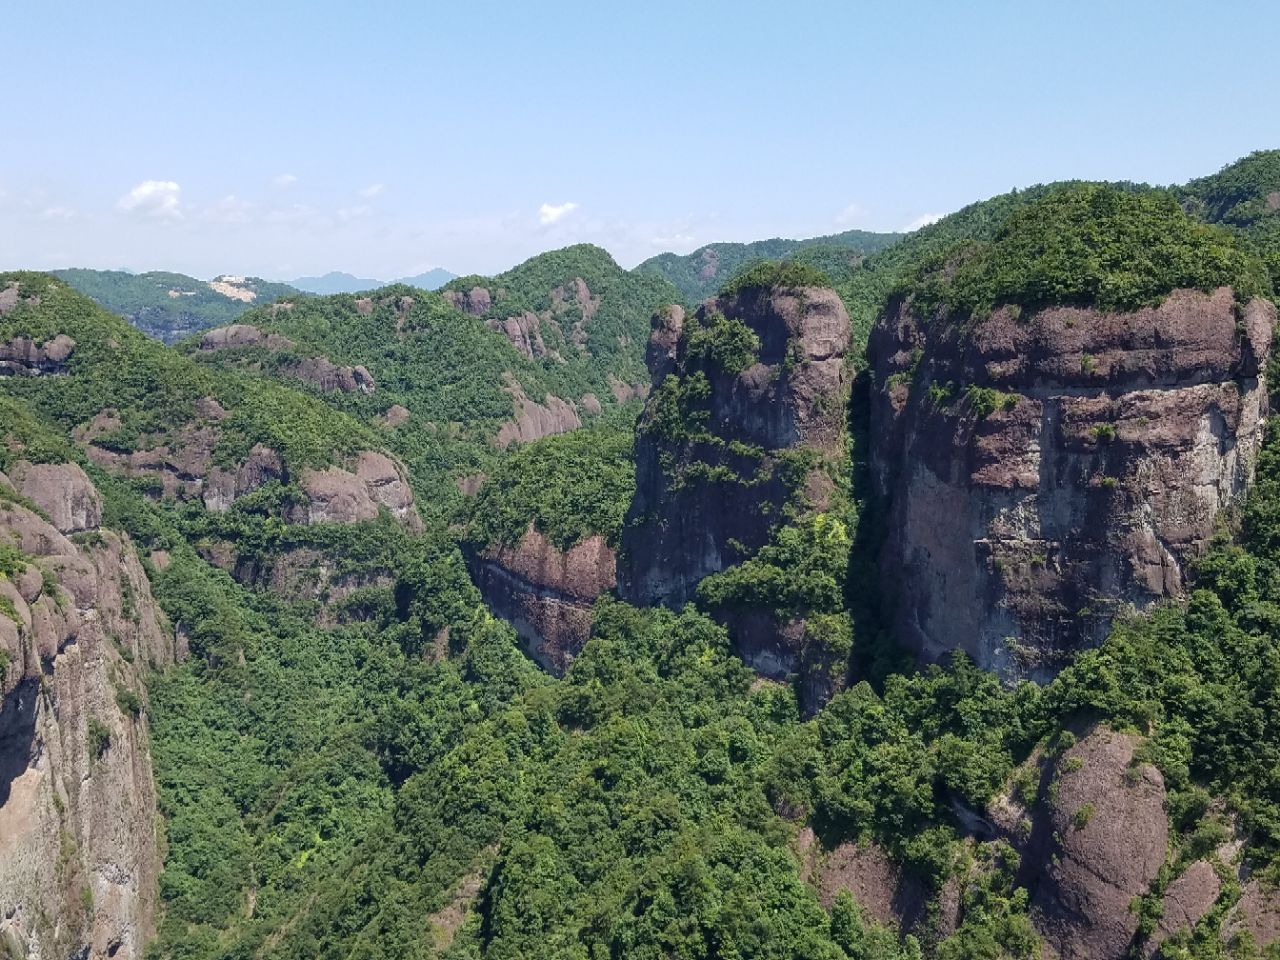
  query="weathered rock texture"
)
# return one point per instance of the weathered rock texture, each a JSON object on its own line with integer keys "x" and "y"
{"x": 321, "y": 372}
{"x": 1099, "y": 837}
{"x": 1114, "y": 441}
{"x": 335, "y": 495}
{"x": 534, "y": 420}
{"x": 79, "y": 857}
{"x": 546, "y": 593}
{"x": 23, "y": 357}
{"x": 714, "y": 480}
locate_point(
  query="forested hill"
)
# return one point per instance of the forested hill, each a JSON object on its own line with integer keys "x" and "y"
{"x": 338, "y": 282}
{"x": 454, "y": 378}
{"x": 170, "y": 306}
{"x": 700, "y": 274}
{"x": 356, "y": 758}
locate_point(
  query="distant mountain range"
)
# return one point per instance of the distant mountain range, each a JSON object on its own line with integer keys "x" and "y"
{"x": 170, "y": 306}
{"x": 700, "y": 274}
{"x": 338, "y": 282}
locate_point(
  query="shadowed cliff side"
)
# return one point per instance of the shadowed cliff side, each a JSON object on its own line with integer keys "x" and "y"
{"x": 743, "y": 438}
{"x": 79, "y": 855}
{"x": 1056, "y": 429}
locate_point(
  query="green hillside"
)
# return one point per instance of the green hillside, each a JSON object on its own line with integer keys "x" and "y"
{"x": 700, "y": 274}
{"x": 386, "y": 775}
{"x": 453, "y": 372}
{"x": 170, "y": 306}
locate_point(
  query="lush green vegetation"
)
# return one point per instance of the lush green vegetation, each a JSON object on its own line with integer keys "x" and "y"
{"x": 769, "y": 274}
{"x": 169, "y": 306}
{"x": 726, "y": 343}
{"x": 1089, "y": 245}
{"x": 1245, "y": 198}
{"x": 454, "y": 374}
{"x": 611, "y": 340}
{"x": 700, "y": 274}
{"x": 568, "y": 487}
{"x": 153, "y": 391}
{"x": 404, "y": 783}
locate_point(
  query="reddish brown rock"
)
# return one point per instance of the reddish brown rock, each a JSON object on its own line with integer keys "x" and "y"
{"x": 524, "y": 332}
{"x": 536, "y": 420}
{"x": 1099, "y": 838}
{"x": 470, "y": 484}
{"x": 878, "y": 886}
{"x": 477, "y": 301}
{"x": 77, "y": 815}
{"x": 1187, "y": 900}
{"x": 1112, "y": 442}
{"x": 395, "y": 416}
{"x": 23, "y": 357}
{"x": 62, "y": 491}
{"x": 223, "y": 487}
{"x": 335, "y": 495}
{"x": 328, "y": 377}
{"x": 547, "y": 594}
{"x": 1255, "y": 916}
{"x": 243, "y": 335}
{"x": 679, "y": 532}
{"x": 9, "y": 296}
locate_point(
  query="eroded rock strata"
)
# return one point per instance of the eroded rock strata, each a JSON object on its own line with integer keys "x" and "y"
{"x": 546, "y": 593}
{"x": 724, "y": 454}
{"x": 79, "y": 855}
{"x": 1046, "y": 471}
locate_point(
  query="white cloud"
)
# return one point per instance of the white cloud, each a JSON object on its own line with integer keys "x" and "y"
{"x": 347, "y": 214}
{"x": 284, "y": 181}
{"x": 922, "y": 221}
{"x": 371, "y": 191}
{"x": 57, "y": 213}
{"x": 153, "y": 199}
{"x": 674, "y": 242}
{"x": 230, "y": 209}
{"x": 851, "y": 215}
{"x": 549, "y": 213}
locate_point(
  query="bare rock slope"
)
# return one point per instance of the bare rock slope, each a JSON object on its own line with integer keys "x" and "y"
{"x": 79, "y": 857}
{"x": 1045, "y": 472}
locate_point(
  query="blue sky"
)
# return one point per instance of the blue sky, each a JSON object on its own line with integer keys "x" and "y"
{"x": 287, "y": 138}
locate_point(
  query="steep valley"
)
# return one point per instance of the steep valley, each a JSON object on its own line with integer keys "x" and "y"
{"x": 880, "y": 597}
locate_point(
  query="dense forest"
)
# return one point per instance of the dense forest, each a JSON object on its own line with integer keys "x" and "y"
{"x": 382, "y": 773}
{"x": 170, "y": 306}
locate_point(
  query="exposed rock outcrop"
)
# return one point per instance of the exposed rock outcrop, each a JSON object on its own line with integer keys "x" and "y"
{"x": 1099, "y": 837}
{"x": 533, "y": 420}
{"x": 708, "y": 498}
{"x": 23, "y": 357}
{"x": 1047, "y": 471}
{"x": 243, "y": 335}
{"x": 328, "y": 377}
{"x": 546, "y": 593}
{"x": 62, "y": 491}
{"x": 477, "y": 301}
{"x": 1188, "y": 899}
{"x": 725, "y": 455}
{"x": 320, "y": 372}
{"x": 79, "y": 858}
{"x": 1256, "y": 915}
{"x": 335, "y": 495}
{"x": 877, "y": 884}
{"x": 224, "y": 487}
{"x": 524, "y": 332}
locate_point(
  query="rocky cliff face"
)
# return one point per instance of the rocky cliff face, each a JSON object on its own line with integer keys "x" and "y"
{"x": 546, "y": 593}
{"x": 1044, "y": 472}
{"x": 726, "y": 452}
{"x": 79, "y": 856}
